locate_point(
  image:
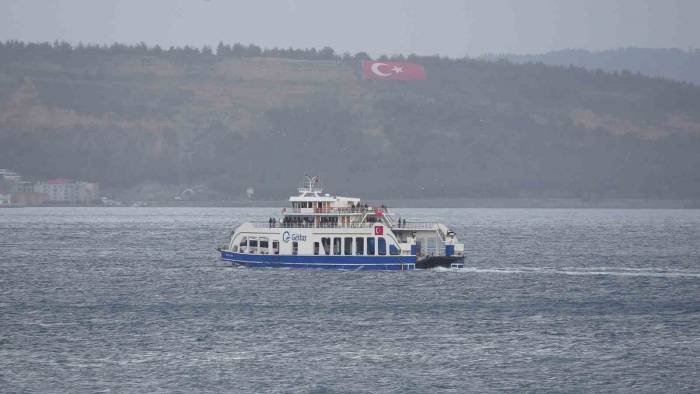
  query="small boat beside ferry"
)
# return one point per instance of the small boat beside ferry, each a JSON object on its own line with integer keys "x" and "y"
{"x": 333, "y": 232}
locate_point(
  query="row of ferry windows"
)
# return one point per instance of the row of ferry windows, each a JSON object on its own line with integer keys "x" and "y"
{"x": 307, "y": 204}
{"x": 257, "y": 245}
{"x": 344, "y": 246}
{"x": 340, "y": 246}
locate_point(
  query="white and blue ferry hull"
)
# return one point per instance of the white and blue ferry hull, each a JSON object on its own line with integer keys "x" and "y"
{"x": 380, "y": 263}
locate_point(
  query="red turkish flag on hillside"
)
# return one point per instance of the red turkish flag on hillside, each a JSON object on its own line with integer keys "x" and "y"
{"x": 392, "y": 70}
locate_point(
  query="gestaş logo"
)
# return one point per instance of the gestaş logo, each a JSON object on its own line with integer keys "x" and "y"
{"x": 286, "y": 236}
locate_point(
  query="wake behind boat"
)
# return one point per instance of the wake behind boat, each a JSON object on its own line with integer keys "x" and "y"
{"x": 333, "y": 232}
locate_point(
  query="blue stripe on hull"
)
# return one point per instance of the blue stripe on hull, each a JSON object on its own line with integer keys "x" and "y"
{"x": 383, "y": 263}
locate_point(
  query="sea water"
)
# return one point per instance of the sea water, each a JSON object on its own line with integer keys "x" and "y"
{"x": 135, "y": 299}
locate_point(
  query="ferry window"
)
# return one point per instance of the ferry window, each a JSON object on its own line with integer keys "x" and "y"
{"x": 253, "y": 245}
{"x": 381, "y": 246}
{"x": 359, "y": 246}
{"x": 295, "y": 248}
{"x": 393, "y": 250}
{"x": 348, "y": 246}
{"x": 264, "y": 244}
{"x": 326, "y": 242}
{"x": 370, "y": 246}
{"x": 336, "y": 245}
{"x": 316, "y": 248}
{"x": 243, "y": 243}
{"x": 276, "y": 247}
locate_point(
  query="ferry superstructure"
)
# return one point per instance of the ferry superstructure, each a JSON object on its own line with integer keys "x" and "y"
{"x": 332, "y": 232}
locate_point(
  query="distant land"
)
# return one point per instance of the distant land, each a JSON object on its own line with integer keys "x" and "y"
{"x": 672, "y": 63}
{"x": 148, "y": 123}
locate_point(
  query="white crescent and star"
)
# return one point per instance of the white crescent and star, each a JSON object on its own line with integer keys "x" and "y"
{"x": 377, "y": 71}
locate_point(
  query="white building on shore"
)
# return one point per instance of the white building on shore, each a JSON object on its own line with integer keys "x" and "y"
{"x": 7, "y": 178}
{"x": 63, "y": 190}
{"x": 15, "y": 191}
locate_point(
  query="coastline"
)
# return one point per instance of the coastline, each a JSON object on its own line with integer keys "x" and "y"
{"x": 503, "y": 203}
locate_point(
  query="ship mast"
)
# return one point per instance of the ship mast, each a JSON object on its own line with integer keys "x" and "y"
{"x": 311, "y": 185}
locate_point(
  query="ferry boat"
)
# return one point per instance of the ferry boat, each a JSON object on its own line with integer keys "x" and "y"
{"x": 332, "y": 232}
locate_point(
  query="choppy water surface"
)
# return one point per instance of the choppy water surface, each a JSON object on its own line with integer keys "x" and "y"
{"x": 134, "y": 299}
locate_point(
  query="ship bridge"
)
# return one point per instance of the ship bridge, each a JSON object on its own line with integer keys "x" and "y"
{"x": 313, "y": 208}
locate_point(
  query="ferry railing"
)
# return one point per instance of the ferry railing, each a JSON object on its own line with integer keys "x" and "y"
{"x": 408, "y": 226}
{"x": 311, "y": 225}
{"x": 343, "y": 210}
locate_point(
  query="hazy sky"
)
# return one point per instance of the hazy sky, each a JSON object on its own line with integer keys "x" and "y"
{"x": 448, "y": 27}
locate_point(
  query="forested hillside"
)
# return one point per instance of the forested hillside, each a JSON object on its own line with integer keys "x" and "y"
{"x": 676, "y": 64}
{"x": 222, "y": 120}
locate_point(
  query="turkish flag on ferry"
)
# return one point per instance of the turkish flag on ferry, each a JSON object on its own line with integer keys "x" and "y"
{"x": 392, "y": 70}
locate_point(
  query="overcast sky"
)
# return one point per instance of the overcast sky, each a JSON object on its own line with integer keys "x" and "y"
{"x": 447, "y": 27}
